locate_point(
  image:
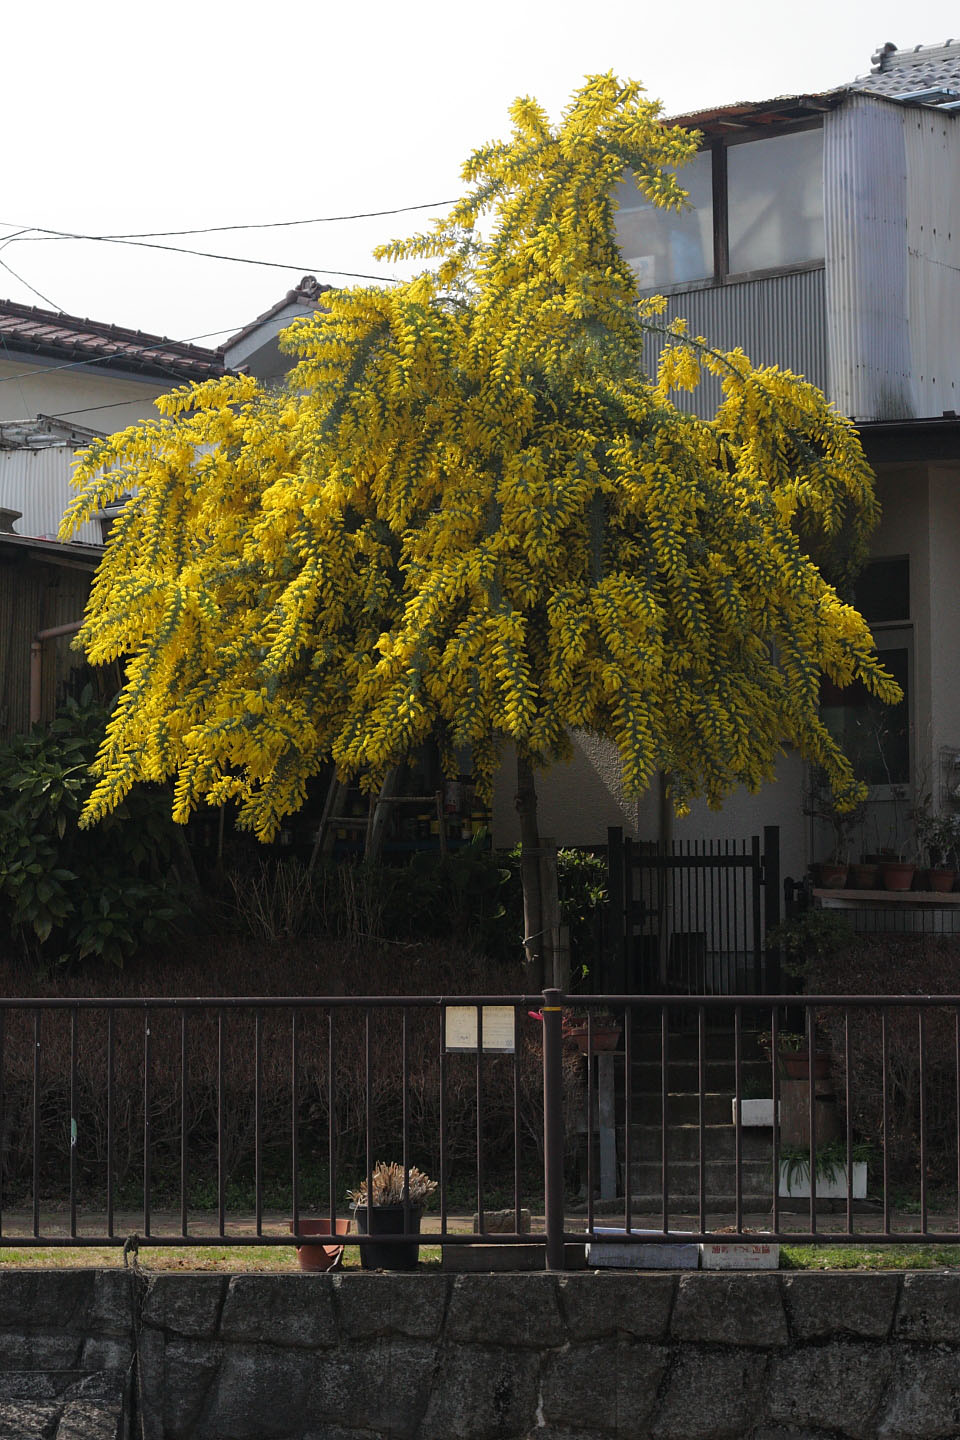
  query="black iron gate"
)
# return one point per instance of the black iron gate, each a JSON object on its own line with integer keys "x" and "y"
{"x": 692, "y": 919}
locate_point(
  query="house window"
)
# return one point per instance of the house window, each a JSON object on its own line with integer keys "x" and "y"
{"x": 775, "y": 201}
{"x": 669, "y": 247}
{"x": 876, "y": 737}
{"x": 882, "y": 591}
{"x": 755, "y": 205}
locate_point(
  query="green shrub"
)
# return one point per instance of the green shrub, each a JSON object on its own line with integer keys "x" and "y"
{"x": 66, "y": 893}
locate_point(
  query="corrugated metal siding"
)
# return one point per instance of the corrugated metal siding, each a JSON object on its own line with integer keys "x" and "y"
{"x": 933, "y": 258}
{"x": 37, "y": 482}
{"x": 779, "y": 320}
{"x": 865, "y": 204}
{"x": 36, "y": 596}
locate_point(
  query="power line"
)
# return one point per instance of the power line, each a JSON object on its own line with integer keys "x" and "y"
{"x": 39, "y": 231}
{"x": 214, "y": 255}
{"x": 45, "y": 298}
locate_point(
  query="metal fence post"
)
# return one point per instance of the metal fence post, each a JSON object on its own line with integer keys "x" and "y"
{"x": 771, "y": 903}
{"x": 553, "y": 1126}
{"x": 614, "y": 975}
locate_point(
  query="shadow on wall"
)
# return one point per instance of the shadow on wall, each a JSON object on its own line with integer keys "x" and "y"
{"x": 578, "y": 801}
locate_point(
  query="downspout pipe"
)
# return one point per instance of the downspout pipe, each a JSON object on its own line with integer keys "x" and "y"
{"x": 36, "y": 664}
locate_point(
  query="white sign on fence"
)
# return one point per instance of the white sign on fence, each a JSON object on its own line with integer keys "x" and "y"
{"x": 499, "y": 1028}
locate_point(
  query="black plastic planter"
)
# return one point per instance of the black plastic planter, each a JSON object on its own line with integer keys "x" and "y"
{"x": 389, "y": 1254}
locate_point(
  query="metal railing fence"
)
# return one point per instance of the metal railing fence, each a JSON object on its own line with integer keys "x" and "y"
{"x": 110, "y": 1103}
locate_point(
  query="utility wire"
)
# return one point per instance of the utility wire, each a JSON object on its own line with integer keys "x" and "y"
{"x": 214, "y": 255}
{"x": 221, "y": 229}
{"x": 45, "y": 298}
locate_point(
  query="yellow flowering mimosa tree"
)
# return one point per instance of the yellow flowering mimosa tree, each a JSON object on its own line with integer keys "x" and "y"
{"x": 471, "y": 518}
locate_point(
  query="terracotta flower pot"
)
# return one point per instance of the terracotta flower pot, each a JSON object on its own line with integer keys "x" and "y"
{"x": 897, "y": 874}
{"x": 942, "y": 880}
{"x": 795, "y": 1064}
{"x": 865, "y": 877}
{"x": 604, "y": 1037}
{"x": 319, "y": 1257}
{"x": 831, "y": 876}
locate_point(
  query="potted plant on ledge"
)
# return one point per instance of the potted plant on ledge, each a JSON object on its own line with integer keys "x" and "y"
{"x": 398, "y": 1200}
{"x": 604, "y": 1031}
{"x": 832, "y": 1175}
{"x": 819, "y": 804}
{"x": 939, "y": 837}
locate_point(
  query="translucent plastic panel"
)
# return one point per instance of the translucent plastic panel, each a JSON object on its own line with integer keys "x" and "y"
{"x": 669, "y": 247}
{"x": 775, "y": 201}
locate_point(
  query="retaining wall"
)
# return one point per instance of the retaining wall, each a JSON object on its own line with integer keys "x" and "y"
{"x": 805, "y": 1356}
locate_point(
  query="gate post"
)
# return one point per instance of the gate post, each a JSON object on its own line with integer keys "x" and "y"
{"x": 771, "y": 902}
{"x": 615, "y": 976}
{"x": 551, "y": 1011}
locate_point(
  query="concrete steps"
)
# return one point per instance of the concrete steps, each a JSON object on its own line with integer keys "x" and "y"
{"x": 683, "y": 1143}
{"x": 683, "y": 1109}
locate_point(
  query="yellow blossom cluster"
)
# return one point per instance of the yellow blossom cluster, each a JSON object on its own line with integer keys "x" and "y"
{"x": 470, "y": 517}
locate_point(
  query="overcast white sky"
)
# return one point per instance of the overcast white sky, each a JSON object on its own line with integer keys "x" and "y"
{"x": 130, "y": 117}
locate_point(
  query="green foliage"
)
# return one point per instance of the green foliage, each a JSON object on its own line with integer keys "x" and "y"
{"x": 861, "y": 1257}
{"x": 938, "y": 837}
{"x": 831, "y": 1161}
{"x": 66, "y": 894}
{"x": 463, "y": 893}
{"x": 472, "y": 892}
{"x": 582, "y": 887}
{"x": 582, "y": 882}
{"x": 808, "y": 938}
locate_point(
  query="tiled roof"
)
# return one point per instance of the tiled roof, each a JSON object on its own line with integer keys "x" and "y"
{"x": 896, "y": 74}
{"x": 307, "y": 294}
{"x": 904, "y": 72}
{"x": 28, "y": 330}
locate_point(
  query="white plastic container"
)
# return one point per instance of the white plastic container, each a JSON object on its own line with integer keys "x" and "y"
{"x": 635, "y": 1254}
{"x": 753, "y": 1112}
{"x": 740, "y": 1255}
{"x": 835, "y": 1189}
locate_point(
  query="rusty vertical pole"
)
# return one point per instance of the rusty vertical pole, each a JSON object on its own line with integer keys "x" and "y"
{"x": 553, "y": 1127}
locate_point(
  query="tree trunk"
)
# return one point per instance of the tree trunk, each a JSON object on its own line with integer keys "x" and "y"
{"x": 331, "y": 804}
{"x": 381, "y": 815}
{"x": 526, "y": 802}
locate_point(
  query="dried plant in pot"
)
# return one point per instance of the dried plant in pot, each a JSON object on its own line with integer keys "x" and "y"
{"x": 398, "y": 1198}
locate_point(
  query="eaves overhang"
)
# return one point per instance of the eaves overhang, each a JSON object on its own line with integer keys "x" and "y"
{"x": 53, "y": 552}
{"x": 900, "y": 441}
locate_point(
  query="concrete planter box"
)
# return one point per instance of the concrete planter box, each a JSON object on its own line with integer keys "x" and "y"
{"x": 835, "y": 1189}
{"x": 740, "y": 1255}
{"x": 753, "y": 1112}
{"x": 634, "y": 1254}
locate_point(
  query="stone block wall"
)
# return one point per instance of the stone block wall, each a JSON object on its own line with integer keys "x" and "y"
{"x": 67, "y": 1343}
{"x": 431, "y": 1356}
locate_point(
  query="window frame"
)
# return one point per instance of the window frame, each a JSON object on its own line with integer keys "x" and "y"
{"x": 722, "y": 274}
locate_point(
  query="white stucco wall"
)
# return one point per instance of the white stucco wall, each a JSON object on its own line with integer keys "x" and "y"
{"x": 578, "y": 801}
{"x": 30, "y": 386}
{"x": 944, "y": 613}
